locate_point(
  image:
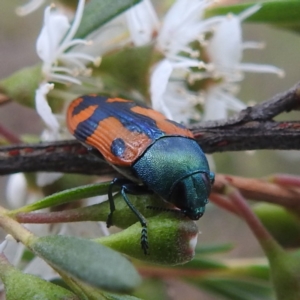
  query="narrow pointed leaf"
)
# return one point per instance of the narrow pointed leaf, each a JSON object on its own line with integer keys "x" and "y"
{"x": 284, "y": 225}
{"x": 213, "y": 249}
{"x": 109, "y": 296}
{"x": 236, "y": 289}
{"x": 280, "y": 13}
{"x": 88, "y": 261}
{"x": 20, "y": 286}
{"x": 99, "y": 12}
{"x": 66, "y": 196}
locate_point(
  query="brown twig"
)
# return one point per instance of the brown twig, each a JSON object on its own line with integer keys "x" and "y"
{"x": 260, "y": 190}
{"x": 254, "y": 128}
{"x": 66, "y": 156}
{"x": 250, "y": 135}
{"x": 261, "y": 233}
{"x": 223, "y": 202}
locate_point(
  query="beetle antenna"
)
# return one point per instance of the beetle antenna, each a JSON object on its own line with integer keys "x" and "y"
{"x": 159, "y": 208}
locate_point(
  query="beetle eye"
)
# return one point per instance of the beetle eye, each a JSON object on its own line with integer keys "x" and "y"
{"x": 179, "y": 191}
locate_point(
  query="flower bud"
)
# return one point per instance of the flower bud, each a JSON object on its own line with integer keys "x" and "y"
{"x": 282, "y": 224}
{"x": 171, "y": 239}
{"x": 21, "y": 85}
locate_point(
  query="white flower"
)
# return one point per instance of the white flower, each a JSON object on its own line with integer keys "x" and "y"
{"x": 142, "y": 23}
{"x": 175, "y": 82}
{"x": 16, "y": 190}
{"x": 170, "y": 96}
{"x": 225, "y": 51}
{"x": 55, "y": 43}
{"x": 160, "y": 78}
{"x": 182, "y": 25}
{"x": 3, "y": 245}
{"x": 64, "y": 61}
{"x": 218, "y": 100}
{"x": 43, "y": 108}
{"x": 61, "y": 63}
{"x": 46, "y": 178}
{"x": 54, "y": 46}
{"x": 52, "y": 131}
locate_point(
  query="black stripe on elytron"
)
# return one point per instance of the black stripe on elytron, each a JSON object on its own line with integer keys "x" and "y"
{"x": 132, "y": 121}
{"x": 88, "y": 100}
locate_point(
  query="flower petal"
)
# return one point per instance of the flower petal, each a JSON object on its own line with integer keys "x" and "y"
{"x": 225, "y": 47}
{"x": 181, "y": 25}
{"x": 46, "y": 178}
{"x": 43, "y": 108}
{"x": 55, "y": 27}
{"x": 16, "y": 190}
{"x": 158, "y": 85}
{"x": 217, "y": 103}
{"x": 142, "y": 23}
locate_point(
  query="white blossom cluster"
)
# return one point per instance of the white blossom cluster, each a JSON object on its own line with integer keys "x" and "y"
{"x": 217, "y": 60}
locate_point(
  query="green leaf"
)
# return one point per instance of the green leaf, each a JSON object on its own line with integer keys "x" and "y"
{"x": 213, "y": 249}
{"x": 78, "y": 193}
{"x": 127, "y": 70}
{"x": 20, "y": 286}
{"x": 284, "y": 225}
{"x": 21, "y": 85}
{"x": 284, "y": 268}
{"x": 88, "y": 261}
{"x": 110, "y": 296}
{"x": 153, "y": 286}
{"x": 65, "y": 182}
{"x": 249, "y": 269}
{"x": 86, "y": 292}
{"x": 280, "y": 13}
{"x": 99, "y": 12}
{"x": 204, "y": 264}
{"x": 124, "y": 217}
{"x": 235, "y": 289}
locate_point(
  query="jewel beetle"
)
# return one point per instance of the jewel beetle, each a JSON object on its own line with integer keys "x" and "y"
{"x": 150, "y": 151}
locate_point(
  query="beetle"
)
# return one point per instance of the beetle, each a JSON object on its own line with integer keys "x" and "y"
{"x": 150, "y": 151}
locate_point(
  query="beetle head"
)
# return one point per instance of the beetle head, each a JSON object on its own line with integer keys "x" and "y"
{"x": 191, "y": 192}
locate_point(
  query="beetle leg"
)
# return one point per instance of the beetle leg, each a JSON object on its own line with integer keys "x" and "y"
{"x": 115, "y": 181}
{"x": 111, "y": 206}
{"x": 141, "y": 218}
{"x": 129, "y": 187}
{"x": 159, "y": 208}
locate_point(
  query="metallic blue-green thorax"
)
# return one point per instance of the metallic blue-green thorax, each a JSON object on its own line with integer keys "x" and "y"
{"x": 176, "y": 169}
